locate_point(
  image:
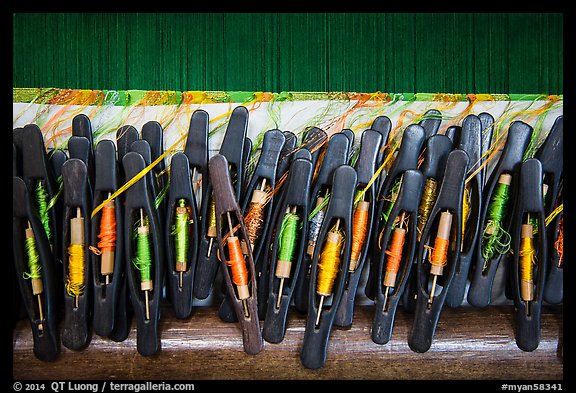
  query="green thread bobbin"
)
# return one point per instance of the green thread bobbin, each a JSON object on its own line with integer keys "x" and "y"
{"x": 496, "y": 240}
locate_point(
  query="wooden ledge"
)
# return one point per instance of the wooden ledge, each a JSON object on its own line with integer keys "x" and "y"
{"x": 469, "y": 344}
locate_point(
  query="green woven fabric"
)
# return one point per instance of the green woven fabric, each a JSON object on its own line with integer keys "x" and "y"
{"x": 438, "y": 53}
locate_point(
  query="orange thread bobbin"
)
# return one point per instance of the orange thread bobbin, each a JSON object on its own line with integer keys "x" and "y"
{"x": 254, "y": 220}
{"x": 107, "y": 243}
{"x": 359, "y": 231}
{"x": 394, "y": 253}
{"x": 237, "y": 264}
{"x": 238, "y": 267}
{"x": 438, "y": 258}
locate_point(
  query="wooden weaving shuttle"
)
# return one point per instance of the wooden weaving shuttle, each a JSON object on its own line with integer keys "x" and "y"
{"x": 287, "y": 155}
{"x": 273, "y": 232}
{"x": 337, "y": 229}
{"x": 445, "y": 222}
{"x": 391, "y": 282}
{"x": 225, "y": 311}
{"x": 551, "y": 155}
{"x": 108, "y": 265}
{"x": 336, "y": 154}
{"x": 37, "y": 172}
{"x": 125, "y": 136}
{"x": 38, "y": 294}
{"x": 283, "y": 273}
{"x": 142, "y": 147}
{"x": 264, "y": 176}
{"x": 437, "y": 148}
{"x": 365, "y": 167}
{"x": 76, "y": 332}
{"x": 471, "y": 142}
{"x": 233, "y": 149}
{"x": 243, "y": 292}
{"x": 37, "y": 169}
{"x": 260, "y": 191}
{"x": 196, "y": 150}
{"x": 505, "y": 171}
{"x": 528, "y": 293}
{"x": 181, "y": 266}
{"x": 140, "y": 213}
{"x": 407, "y": 158}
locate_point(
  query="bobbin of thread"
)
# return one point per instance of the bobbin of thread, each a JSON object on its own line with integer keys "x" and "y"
{"x": 181, "y": 265}
{"x": 146, "y": 285}
{"x": 326, "y": 277}
{"x": 332, "y": 237}
{"x": 527, "y": 286}
{"x": 258, "y": 198}
{"x": 211, "y": 232}
{"x": 243, "y": 290}
{"x": 107, "y": 256}
{"x": 428, "y": 198}
{"x": 77, "y": 237}
{"x": 390, "y": 276}
{"x": 312, "y": 242}
{"x": 363, "y": 206}
{"x": 443, "y": 233}
{"x": 505, "y": 179}
{"x": 37, "y": 285}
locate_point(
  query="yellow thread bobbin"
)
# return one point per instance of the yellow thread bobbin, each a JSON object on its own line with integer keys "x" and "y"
{"x": 328, "y": 266}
